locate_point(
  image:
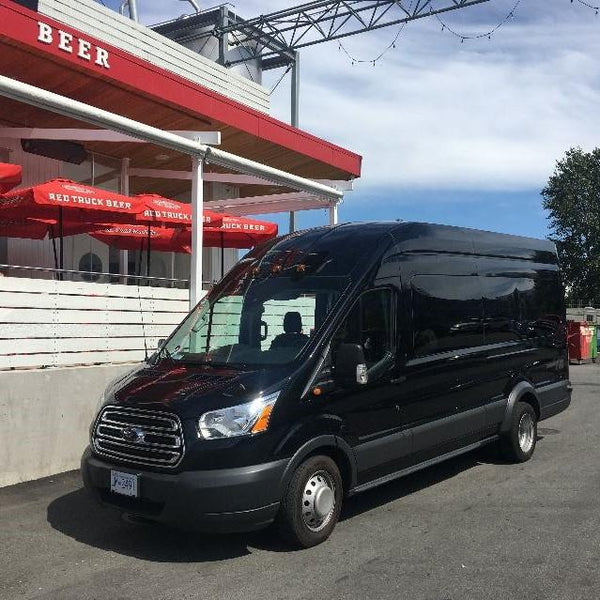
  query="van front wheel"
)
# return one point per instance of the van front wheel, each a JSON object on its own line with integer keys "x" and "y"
{"x": 518, "y": 443}
{"x": 311, "y": 505}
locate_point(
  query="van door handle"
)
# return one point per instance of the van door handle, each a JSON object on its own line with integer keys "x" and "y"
{"x": 397, "y": 380}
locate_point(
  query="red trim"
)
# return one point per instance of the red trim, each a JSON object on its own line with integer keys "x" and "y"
{"x": 19, "y": 25}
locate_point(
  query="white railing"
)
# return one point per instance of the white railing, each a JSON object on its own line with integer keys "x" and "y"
{"x": 50, "y": 323}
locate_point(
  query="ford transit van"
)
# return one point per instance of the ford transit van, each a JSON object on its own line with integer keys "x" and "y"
{"x": 330, "y": 361}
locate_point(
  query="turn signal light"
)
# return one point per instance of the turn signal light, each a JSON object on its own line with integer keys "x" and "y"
{"x": 263, "y": 421}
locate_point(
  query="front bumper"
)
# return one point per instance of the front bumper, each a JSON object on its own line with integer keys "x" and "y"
{"x": 220, "y": 500}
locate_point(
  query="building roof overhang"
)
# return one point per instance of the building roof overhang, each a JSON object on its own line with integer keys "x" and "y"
{"x": 142, "y": 91}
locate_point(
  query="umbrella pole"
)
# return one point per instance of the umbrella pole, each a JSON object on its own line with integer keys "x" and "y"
{"x": 62, "y": 249}
{"x": 54, "y": 247}
{"x": 139, "y": 264}
{"x": 148, "y": 257}
{"x": 222, "y": 255}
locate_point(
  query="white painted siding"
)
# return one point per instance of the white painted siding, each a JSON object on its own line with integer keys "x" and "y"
{"x": 104, "y": 24}
{"x": 64, "y": 323}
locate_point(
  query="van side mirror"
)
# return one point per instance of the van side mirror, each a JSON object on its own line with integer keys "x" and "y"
{"x": 161, "y": 343}
{"x": 350, "y": 366}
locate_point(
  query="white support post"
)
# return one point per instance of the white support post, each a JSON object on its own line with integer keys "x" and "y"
{"x": 197, "y": 223}
{"x": 333, "y": 215}
{"x": 124, "y": 254}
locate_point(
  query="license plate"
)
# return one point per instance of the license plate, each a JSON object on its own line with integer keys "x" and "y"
{"x": 125, "y": 484}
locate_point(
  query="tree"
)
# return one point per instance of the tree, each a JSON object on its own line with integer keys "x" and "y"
{"x": 572, "y": 198}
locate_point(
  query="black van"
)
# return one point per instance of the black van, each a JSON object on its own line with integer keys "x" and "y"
{"x": 330, "y": 361}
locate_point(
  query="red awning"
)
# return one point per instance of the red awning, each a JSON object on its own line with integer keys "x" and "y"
{"x": 159, "y": 210}
{"x": 80, "y": 203}
{"x": 10, "y": 176}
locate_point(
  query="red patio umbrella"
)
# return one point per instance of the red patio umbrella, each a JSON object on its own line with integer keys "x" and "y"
{"x": 133, "y": 237}
{"x": 37, "y": 229}
{"x": 238, "y": 232}
{"x": 68, "y": 201}
{"x": 32, "y": 229}
{"x": 235, "y": 232}
{"x": 10, "y": 176}
{"x": 78, "y": 202}
{"x": 163, "y": 211}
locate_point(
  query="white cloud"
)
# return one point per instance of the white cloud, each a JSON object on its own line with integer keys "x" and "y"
{"x": 435, "y": 113}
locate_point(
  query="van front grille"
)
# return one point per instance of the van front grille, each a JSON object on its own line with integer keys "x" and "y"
{"x": 139, "y": 436}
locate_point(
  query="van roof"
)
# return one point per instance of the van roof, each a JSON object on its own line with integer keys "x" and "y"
{"x": 426, "y": 237}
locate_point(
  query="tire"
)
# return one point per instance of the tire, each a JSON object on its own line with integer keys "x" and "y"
{"x": 307, "y": 518}
{"x": 518, "y": 444}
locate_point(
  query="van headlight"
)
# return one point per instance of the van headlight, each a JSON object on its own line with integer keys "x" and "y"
{"x": 243, "y": 419}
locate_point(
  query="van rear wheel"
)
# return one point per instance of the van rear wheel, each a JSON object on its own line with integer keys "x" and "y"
{"x": 518, "y": 444}
{"x": 311, "y": 505}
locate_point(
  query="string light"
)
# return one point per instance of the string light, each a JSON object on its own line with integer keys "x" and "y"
{"x": 486, "y": 34}
{"x": 373, "y": 61}
{"x": 588, "y": 5}
{"x": 445, "y": 27}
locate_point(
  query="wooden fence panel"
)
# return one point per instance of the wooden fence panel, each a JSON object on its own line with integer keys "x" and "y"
{"x": 45, "y": 323}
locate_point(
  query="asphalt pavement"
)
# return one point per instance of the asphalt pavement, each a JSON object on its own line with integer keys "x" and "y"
{"x": 471, "y": 528}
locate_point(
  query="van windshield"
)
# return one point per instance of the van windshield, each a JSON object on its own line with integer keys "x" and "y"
{"x": 254, "y": 321}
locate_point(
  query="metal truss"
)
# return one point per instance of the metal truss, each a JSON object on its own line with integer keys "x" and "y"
{"x": 276, "y": 36}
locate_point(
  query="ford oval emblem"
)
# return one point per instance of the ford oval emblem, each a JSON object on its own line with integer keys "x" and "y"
{"x": 133, "y": 434}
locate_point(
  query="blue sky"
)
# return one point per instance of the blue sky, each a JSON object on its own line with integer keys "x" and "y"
{"x": 450, "y": 132}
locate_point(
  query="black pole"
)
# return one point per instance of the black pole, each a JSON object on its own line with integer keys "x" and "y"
{"x": 54, "y": 247}
{"x": 148, "y": 256}
{"x": 62, "y": 249}
{"x": 139, "y": 262}
{"x": 222, "y": 255}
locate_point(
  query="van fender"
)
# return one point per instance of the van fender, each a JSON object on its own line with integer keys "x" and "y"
{"x": 522, "y": 388}
{"x": 310, "y": 447}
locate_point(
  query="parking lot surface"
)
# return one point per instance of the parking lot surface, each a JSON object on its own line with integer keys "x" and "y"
{"x": 471, "y": 528}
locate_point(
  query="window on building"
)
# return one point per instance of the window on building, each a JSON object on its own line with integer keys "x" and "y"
{"x": 92, "y": 264}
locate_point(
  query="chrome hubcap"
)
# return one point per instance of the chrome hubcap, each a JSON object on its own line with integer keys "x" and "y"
{"x": 318, "y": 500}
{"x": 526, "y": 432}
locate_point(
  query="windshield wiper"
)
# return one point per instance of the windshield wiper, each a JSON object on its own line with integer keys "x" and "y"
{"x": 212, "y": 363}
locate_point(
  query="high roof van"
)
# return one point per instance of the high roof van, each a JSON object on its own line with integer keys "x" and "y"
{"x": 331, "y": 361}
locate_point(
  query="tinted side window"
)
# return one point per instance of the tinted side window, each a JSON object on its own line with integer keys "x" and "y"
{"x": 541, "y": 307}
{"x": 520, "y": 307}
{"x": 447, "y": 313}
{"x": 502, "y": 302}
{"x": 369, "y": 324}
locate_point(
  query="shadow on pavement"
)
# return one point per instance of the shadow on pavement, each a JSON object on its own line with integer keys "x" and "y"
{"x": 78, "y": 516}
{"x": 405, "y": 486}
